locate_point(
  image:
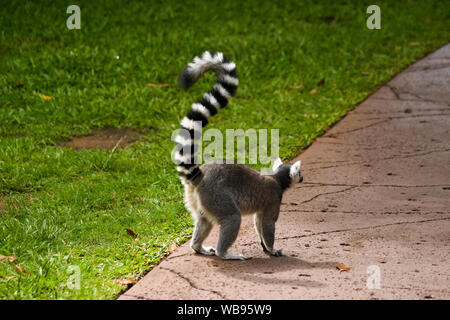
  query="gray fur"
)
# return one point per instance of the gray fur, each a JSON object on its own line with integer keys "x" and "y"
{"x": 224, "y": 192}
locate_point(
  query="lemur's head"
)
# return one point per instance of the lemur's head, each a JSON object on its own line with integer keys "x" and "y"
{"x": 290, "y": 173}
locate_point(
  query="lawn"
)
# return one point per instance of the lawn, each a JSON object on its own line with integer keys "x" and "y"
{"x": 65, "y": 213}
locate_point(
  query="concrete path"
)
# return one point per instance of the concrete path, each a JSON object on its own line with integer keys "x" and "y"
{"x": 376, "y": 198}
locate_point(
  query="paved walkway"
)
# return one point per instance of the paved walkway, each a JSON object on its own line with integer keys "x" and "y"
{"x": 376, "y": 198}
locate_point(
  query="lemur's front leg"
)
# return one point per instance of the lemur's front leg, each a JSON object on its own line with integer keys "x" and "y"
{"x": 265, "y": 227}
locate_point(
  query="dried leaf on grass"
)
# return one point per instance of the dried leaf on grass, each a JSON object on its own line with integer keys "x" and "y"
{"x": 300, "y": 86}
{"x": 342, "y": 267}
{"x": 131, "y": 233}
{"x": 21, "y": 269}
{"x": 313, "y": 91}
{"x": 126, "y": 282}
{"x": 43, "y": 96}
{"x": 6, "y": 259}
{"x": 11, "y": 259}
{"x": 173, "y": 247}
{"x": 158, "y": 84}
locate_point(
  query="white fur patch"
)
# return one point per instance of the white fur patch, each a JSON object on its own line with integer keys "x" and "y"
{"x": 222, "y": 91}
{"x": 230, "y": 66}
{"x": 276, "y": 165}
{"x": 229, "y": 79}
{"x": 185, "y": 158}
{"x": 193, "y": 203}
{"x": 218, "y": 58}
{"x": 207, "y": 56}
{"x": 191, "y": 124}
{"x": 210, "y": 98}
{"x": 295, "y": 168}
{"x": 183, "y": 140}
{"x": 198, "y": 107}
{"x": 185, "y": 170}
{"x": 205, "y": 62}
{"x": 197, "y": 66}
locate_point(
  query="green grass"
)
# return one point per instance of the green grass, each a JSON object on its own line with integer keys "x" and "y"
{"x": 66, "y": 208}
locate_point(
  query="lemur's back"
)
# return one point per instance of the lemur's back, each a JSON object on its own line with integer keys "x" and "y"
{"x": 250, "y": 190}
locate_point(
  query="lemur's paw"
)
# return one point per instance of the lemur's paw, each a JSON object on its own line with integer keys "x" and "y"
{"x": 229, "y": 256}
{"x": 277, "y": 253}
{"x": 207, "y": 251}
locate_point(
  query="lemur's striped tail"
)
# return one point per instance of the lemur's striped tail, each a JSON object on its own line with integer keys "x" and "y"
{"x": 225, "y": 87}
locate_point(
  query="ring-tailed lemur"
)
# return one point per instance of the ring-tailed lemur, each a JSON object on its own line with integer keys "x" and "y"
{"x": 217, "y": 192}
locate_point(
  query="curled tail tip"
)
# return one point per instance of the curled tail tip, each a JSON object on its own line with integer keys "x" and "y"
{"x": 186, "y": 79}
{"x": 215, "y": 61}
{"x": 206, "y": 107}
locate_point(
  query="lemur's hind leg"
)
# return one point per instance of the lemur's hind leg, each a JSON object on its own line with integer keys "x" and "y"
{"x": 229, "y": 218}
{"x": 266, "y": 221}
{"x": 201, "y": 231}
{"x": 229, "y": 229}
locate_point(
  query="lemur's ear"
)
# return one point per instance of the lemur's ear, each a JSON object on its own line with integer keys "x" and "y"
{"x": 276, "y": 165}
{"x": 295, "y": 168}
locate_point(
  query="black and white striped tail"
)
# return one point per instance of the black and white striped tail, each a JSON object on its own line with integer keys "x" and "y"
{"x": 222, "y": 91}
